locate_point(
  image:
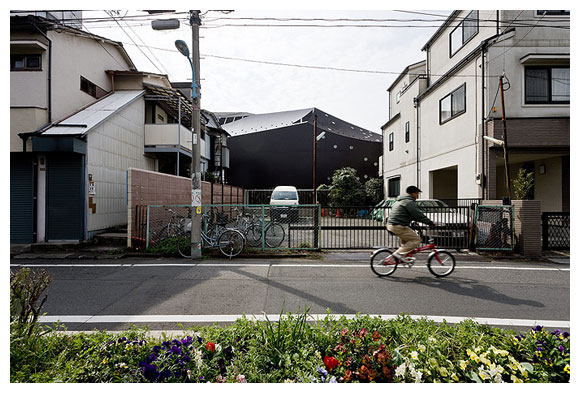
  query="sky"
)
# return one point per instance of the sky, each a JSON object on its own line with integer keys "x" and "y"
{"x": 227, "y": 85}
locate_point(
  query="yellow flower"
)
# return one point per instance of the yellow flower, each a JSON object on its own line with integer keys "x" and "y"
{"x": 567, "y": 368}
{"x": 462, "y": 364}
{"x": 105, "y": 360}
{"x": 516, "y": 379}
{"x": 482, "y": 375}
{"x": 443, "y": 371}
{"x": 454, "y": 377}
{"x": 414, "y": 355}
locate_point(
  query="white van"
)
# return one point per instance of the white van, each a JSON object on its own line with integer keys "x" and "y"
{"x": 284, "y": 197}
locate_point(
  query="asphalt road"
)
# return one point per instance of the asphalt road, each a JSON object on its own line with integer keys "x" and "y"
{"x": 112, "y": 294}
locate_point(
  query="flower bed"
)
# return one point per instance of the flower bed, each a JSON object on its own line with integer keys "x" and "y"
{"x": 361, "y": 349}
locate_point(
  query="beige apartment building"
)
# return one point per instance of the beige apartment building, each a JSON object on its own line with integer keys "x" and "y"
{"x": 440, "y": 109}
{"x": 81, "y": 115}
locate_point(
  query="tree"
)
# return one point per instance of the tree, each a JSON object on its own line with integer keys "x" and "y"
{"x": 375, "y": 190}
{"x": 523, "y": 185}
{"x": 346, "y": 188}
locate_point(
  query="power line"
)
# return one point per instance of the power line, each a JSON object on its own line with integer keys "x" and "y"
{"x": 138, "y": 47}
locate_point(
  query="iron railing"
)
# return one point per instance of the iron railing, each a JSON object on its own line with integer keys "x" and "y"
{"x": 494, "y": 228}
{"x": 556, "y": 231}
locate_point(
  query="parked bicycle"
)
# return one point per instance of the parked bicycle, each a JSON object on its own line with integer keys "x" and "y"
{"x": 175, "y": 225}
{"x": 253, "y": 228}
{"x": 214, "y": 234}
{"x": 440, "y": 262}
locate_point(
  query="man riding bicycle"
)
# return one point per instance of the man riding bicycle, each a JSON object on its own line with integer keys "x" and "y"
{"x": 402, "y": 213}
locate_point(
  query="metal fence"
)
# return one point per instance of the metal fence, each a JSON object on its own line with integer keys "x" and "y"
{"x": 556, "y": 231}
{"x": 494, "y": 227}
{"x": 365, "y": 227}
{"x": 302, "y": 227}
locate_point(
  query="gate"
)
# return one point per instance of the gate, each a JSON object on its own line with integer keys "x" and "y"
{"x": 494, "y": 228}
{"x": 556, "y": 231}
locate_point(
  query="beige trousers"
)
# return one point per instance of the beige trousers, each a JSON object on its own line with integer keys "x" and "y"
{"x": 409, "y": 238}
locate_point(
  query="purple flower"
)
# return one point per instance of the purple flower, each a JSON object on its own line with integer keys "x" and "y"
{"x": 557, "y": 332}
{"x": 561, "y": 349}
{"x": 199, "y": 340}
{"x": 332, "y": 380}
{"x": 566, "y": 334}
{"x": 201, "y": 379}
{"x": 150, "y": 372}
{"x": 538, "y": 328}
{"x": 321, "y": 371}
{"x": 176, "y": 350}
{"x": 156, "y": 348}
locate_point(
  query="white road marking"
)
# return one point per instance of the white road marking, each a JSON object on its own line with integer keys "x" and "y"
{"x": 276, "y": 317}
{"x": 270, "y": 265}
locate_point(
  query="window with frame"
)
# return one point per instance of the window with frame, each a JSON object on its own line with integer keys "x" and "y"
{"x": 391, "y": 141}
{"x": 407, "y": 132}
{"x": 21, "y": 62}
{"x": 452, "y": 105}
{"x": 394, "y": 187}
{"x": 91, "y": 89}
{"x": 547, "y": 85}
{"x": 464, "y": 32}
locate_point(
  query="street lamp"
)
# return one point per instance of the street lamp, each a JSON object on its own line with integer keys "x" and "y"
{"x": 181, "y": 46}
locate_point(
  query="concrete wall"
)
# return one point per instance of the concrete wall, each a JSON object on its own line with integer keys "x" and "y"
{"x": 112, "y": 148}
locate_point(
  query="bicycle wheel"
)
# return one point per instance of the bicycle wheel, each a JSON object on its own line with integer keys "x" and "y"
{"x": 274, "y": 235}
{"x": 254, "y": 236}
{"x": 231, "y": 243}
{"x": 441, "y": 263}
{"x": 383, "y": 263}
{"x": 183, "y": 241}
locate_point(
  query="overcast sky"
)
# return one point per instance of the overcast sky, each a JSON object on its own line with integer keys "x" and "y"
{"x": 233, "y": 85}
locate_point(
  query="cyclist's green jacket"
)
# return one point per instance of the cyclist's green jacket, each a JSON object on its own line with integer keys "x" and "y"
{"x": 406, "y": 210}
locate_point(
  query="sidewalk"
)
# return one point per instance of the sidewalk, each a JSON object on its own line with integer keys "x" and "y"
{"x": 74, "y": 251}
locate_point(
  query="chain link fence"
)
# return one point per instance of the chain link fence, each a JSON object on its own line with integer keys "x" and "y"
{"x": 494, "y": 228}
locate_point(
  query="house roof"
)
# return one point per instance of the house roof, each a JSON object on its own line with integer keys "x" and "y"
{"x": 17, "y": 21}
{"x": 405, "y": 71}
{"x": 82, "y": 122}
{"x": 325, "y": 122}
{"x": 449, "y": 19}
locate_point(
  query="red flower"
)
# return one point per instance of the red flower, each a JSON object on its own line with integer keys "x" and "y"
{"x": 330, "y": 362}
{"x": 210, "y": 346}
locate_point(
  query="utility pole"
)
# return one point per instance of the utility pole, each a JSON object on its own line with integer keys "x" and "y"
{"x": 195, "y": 21}
{"x": 314, "y": 161}
{"x": 505, "y": 142}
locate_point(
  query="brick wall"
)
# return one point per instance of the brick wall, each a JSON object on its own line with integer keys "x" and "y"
{"x": 527, "y": 226}
{"x": 154, "y": 188}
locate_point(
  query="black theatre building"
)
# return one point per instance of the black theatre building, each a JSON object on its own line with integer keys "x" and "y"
{"x": 267, "y": 150}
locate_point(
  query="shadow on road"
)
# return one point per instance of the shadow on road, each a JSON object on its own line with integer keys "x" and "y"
{"x": 467, "y": 287}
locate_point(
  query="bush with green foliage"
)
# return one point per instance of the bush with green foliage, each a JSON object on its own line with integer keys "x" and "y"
{"x": 523, "y": 185}
{"x": 346, "y": 189}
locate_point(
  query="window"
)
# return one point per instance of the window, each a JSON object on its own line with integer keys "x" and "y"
{"x": 452, "y": 105}
{"x": 398, "y": 97}
{"x": 394, "y": 187}
{"x": 91, "y": 89}
{"x": 407, "y": 132}
{"x": 391, "y": 141}
{"x": 464, "y": 32}
{"x": 25, "y": 62}
{"x": 547, "y": 85}
{"x": 552, "y": 12}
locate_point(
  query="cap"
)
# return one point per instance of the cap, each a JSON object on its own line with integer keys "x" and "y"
{"x": 412, "y": 189}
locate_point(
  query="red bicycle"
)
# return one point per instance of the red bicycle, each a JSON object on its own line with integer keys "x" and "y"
{"x": 440, "y": 262}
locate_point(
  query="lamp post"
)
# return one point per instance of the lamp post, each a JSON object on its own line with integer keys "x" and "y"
{"x": 181, "y": 46}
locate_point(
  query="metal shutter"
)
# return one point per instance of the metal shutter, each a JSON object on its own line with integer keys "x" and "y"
{"x": 21, "y": 198}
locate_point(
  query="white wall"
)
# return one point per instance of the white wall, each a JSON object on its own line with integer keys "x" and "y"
{"x": 112, "y": 148}
{"x": 439, "y": 56}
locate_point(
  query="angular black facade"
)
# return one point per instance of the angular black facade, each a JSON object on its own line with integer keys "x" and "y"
{"x": 284, "y": 156}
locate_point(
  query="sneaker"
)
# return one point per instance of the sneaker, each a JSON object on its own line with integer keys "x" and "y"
{"x": 389, "y": 260}
{"x": 400, "y": 257}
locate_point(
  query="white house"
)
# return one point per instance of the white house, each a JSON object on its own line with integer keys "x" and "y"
{"x": 456, "y": 90}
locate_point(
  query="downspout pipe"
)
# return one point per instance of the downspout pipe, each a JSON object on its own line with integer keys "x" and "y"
{"x": 483, "y": 178}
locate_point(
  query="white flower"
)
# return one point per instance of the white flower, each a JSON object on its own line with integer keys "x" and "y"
{"x": 414, "y": 355}
{"x": 418, "y": 376}
{"x": 400, "y": 371}
{"x": 421, "y": 347}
